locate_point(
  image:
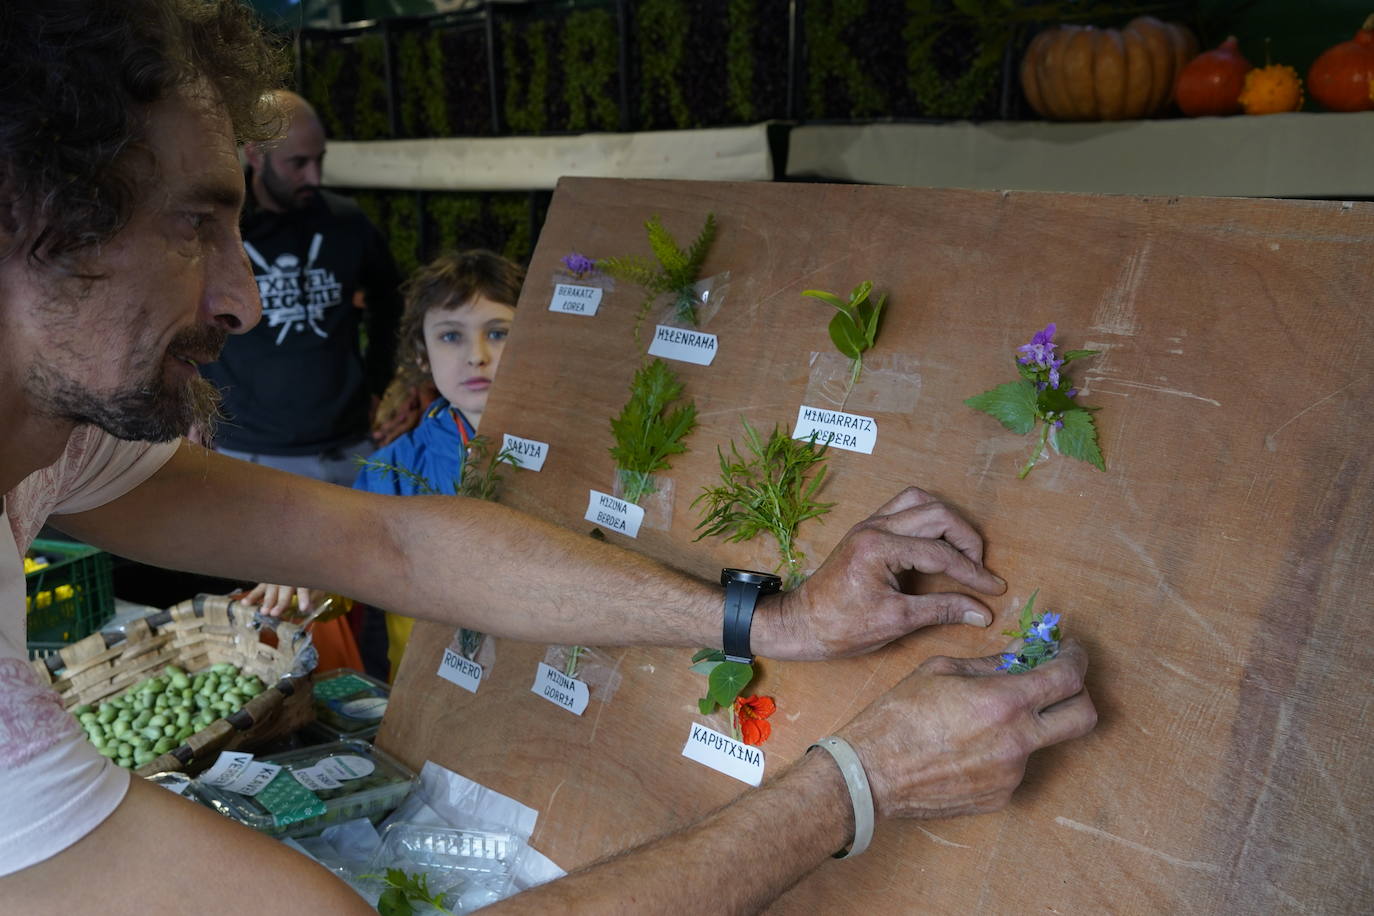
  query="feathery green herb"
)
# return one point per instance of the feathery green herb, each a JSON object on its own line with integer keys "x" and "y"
{"x": 672, "y": 270}
{"x": 768, "y": 490}
{"x": 403, "y": 891}
{"x": 647, "y": 432}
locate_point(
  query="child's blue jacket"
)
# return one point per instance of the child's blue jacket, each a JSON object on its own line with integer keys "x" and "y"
{"x": 433, "y": 450}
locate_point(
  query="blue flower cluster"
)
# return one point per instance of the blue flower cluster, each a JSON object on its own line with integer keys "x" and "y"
{"x": 578, "y": 265}
{"x": 1041, "y": 643}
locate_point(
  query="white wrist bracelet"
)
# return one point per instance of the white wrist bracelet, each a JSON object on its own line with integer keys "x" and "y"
{"x": 859, "y": 792}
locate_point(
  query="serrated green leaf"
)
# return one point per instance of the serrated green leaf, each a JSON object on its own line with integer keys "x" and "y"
{"x": 706, "y": 667}
{"x": 846, "y": 336}
{"x": 1012, "y": 405}
{"x": 665, "y": 247}
{"x": 727, "y": 680}
{"x": 1078, "y": 439}
{"x": 1054, "y": 400}
{"x": 1071, "y": 355}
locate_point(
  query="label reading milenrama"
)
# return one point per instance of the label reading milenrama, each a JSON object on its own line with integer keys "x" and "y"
{"x": 683, "y": 345}
{"x": 616, "y": 514}
{"x": 848, "y": 431}
{"x": 528, "y": 453}
{"x": 560, "y": 690}
{"x": 571, "y": 299}
{"x": 464, "y": 672}
{"x": 724, "y": 754}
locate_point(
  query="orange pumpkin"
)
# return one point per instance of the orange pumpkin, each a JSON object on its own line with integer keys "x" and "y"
{"x": 1342, "y": 79}
{"x": 1082, "y": 73}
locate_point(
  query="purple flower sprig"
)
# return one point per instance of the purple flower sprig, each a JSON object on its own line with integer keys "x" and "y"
{"x": 580, "y": 266}
{"x": 1039, "y": 635}
{"x": 1045, "y": 395}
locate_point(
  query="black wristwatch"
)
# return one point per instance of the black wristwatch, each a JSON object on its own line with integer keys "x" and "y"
{"x": 742, "y": 590}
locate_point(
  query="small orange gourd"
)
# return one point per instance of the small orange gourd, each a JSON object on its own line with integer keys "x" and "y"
{"x": 1342, "y": 79}
{"x": 1083, "y": 73}
{"x": 1271, "y": 90}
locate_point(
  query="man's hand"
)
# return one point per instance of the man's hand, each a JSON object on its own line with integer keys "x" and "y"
{"x": 276, "y": 599}
{"x": 854, "y": 603}
{"x": 953, "y": 736}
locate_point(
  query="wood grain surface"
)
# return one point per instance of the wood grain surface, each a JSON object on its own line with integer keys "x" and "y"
{"x": 1219, "y": 571}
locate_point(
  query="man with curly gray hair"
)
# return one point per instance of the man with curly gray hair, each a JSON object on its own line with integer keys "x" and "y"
{"x": 121, "y": 271}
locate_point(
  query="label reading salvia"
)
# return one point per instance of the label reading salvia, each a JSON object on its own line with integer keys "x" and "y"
{"x": 575, "y": 300}
{"x": 724, "y": 754}
{"x": 560, "y": 690}
{"x": 616, "y": 514}
{"x": 528, "y": 453}
{"x": 683, "y": 345}
{"x": 464, "y": 672}
{"x": 848, "y": 431}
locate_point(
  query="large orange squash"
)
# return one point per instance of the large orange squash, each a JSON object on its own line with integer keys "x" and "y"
{"x": 1082, "y": 73}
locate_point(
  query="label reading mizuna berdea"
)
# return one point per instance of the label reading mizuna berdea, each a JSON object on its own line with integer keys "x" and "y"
{"x": 616, "y": 514}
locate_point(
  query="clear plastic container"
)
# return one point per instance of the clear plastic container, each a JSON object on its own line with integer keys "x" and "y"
{"x": 349, "y": 704}
{"x": 469, "y": 868}
{"x": 372, "y": 783}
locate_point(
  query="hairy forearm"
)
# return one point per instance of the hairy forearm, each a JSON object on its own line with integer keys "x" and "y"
{"x": 490, "y": 568}
{"x": 736, "y": 860}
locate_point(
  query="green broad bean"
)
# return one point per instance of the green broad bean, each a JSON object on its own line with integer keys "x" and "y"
{"x": 152, "y": 733}
{"x": 82, "y": 709}
{"x": 126, "y": 762}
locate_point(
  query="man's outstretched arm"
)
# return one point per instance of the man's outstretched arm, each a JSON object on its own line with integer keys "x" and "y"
{"x": 950, "y": 739}
{"x": 491, "y": 568}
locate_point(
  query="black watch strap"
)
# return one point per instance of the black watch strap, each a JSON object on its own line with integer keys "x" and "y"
{"x": 742, "y": 590}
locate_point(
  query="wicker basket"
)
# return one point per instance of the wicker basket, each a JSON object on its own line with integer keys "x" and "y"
{"x": 193, "y": 635}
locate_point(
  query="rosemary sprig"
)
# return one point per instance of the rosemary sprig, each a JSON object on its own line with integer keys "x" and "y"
{"x": 647, "y": 433}
{"x": 673, "y": 269}
{"x": 767, "y": 490}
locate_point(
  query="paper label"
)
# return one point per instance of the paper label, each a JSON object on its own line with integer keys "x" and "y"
{"x": 367, "y": 709}
{"x": 315, "y": 779}
{"x": 464, "y": 672}
{"x": 346, "y": 766}
{"x": 724, "y": 754}
{"x": 683, "y": 345}
{"x": 561, "y": 690}
{"x": 529, "y": 454}
{"x": 235, "y": 771}
{"x": 571, "y": 299}
{"x": 616, "y": 514}
{"x": 848, "y": 431}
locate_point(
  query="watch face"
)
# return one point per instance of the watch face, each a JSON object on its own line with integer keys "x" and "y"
{"x": 750, "y": 577}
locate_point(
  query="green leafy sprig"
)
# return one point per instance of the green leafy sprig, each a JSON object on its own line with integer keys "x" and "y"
{"x": 646, "y": 432}
{"x": 403, "y": 891}
{"x": 1039, "y": 635}
{"x": 672, "y": 270}
{"x": 1044, "y": 394}
{"x": 854, "y": 328}
{"x": 771, "y": 489}
{"x": 725, "y": 681}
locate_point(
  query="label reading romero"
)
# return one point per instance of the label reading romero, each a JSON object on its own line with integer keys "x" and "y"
{"x": 464, "y": 672}
{"x": 616, "y": 514}
{"x": 575, "y": 300}
{"x": 684, "y": 346}
{"x": 725, "y": 754}
{"x": 528, "y": 453}
{"x": 561, "y": 690}
{"x": 848, "y": 431}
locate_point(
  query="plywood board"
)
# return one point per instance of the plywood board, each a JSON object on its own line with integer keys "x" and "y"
{"x": 1219, "y": 570}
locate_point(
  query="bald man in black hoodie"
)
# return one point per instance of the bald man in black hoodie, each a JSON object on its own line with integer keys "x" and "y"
{"x": 298, "y": 389}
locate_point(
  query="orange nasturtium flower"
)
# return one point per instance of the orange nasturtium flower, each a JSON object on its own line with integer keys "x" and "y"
{"x": 753, "y": 713}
